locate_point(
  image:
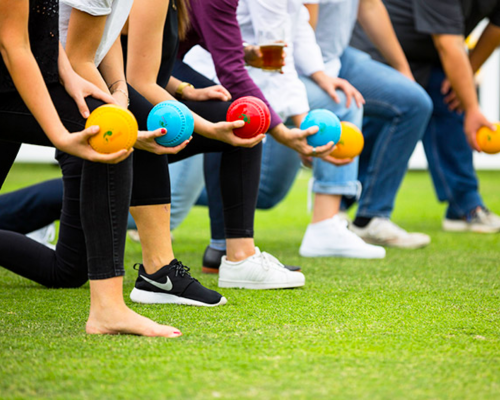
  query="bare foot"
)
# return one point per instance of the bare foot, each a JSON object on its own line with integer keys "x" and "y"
{"x": 115, "y": 321}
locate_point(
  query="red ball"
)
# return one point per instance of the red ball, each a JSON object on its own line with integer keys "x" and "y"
{"x": 254, "y": 112}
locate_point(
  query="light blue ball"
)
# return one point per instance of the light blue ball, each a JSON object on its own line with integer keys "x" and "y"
{"x": 176, "y": 118}
{"x": 329, "y": 127}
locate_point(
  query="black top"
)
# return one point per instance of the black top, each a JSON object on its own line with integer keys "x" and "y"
{"x": 170, "y": 45}
{"x": 416, "y": 20}
{"x": 44, "y": 40}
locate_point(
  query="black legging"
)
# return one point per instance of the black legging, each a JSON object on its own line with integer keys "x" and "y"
{"x": 95, "y": 206}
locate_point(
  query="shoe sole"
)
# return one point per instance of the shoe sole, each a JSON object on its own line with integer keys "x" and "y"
{"x": 344, "y": 254}
{"x": 469, "y": 228}
{"x": 258, "y": 286}
{"x": 145, "y": 297}
{"x": 413, "y": 246}
{"x": 214, "y": 271}
{"x": 207, "y": 270}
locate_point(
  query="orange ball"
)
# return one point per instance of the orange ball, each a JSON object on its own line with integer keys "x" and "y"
{"x": 488, "y": 140}
{"x": 351, "y": 142}
{"x": 118, "y": 129}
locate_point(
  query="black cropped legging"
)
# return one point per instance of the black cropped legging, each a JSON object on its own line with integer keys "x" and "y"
{"x": 67, "y": 266}
{"x": 95, "y": 204}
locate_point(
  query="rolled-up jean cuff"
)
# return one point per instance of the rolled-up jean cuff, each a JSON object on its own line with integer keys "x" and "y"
{"x": 107, "y": 275}
{"x": 150, "y": 202}
{"x": 348, "y": 189}
{"x": 238, "y": 233}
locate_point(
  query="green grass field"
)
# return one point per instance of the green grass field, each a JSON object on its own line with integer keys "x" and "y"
{"x": 421, "y": 324}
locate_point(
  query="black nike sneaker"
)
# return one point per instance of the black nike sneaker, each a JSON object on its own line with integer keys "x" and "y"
{"x": 212, "y": 259}
{"x": 173, "y": 284}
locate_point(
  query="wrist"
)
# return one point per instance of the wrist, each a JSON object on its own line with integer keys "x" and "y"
{"x": 123, "y": 95}
{"x": 57, "y": 136}
{"x": 179, "y": 92}
{"x": 472, "y": 109}
{"x": 279, "y": 132}
{"x": 189, "y": 93}
{"x": 319, "y": 77}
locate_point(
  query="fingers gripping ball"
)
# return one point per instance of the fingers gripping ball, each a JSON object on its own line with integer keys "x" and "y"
{"x": 488, "y": 140}
{"x": 176, "y": 118}
{"x": 328, "y": 124}
{"x": 118, "y": 129}
{"x": 254, "y": 112}
{"x": 351, "y": 142}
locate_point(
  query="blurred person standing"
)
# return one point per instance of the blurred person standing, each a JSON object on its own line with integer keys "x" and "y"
{"x": 432, "y": 34}
{"x": 396, "y": 110}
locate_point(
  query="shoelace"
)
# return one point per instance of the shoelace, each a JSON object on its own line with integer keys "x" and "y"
{"x": 180, "y": 269}
{"x": 268, "y": 260}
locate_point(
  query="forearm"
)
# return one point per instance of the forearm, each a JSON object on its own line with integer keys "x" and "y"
{"x": 457, "y": 68}
{"x": 374, "y": 19}
{"x": 486, "y": 45}
{"x": 87, "y": 70}
{"x": 313, "y": 14}
{"x": 29, "y": 83}
{"x": 113, "y": 72}
{"x": 281, "y": 133}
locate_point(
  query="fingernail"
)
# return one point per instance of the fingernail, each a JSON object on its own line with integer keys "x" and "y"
{"x": 163, "y": 130}
{"x": 86, "y": 114}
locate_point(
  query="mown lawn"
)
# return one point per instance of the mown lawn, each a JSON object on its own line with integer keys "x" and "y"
{"x": 421, "y": 324}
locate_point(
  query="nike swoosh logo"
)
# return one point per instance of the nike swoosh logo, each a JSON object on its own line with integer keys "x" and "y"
{"x": 167, "y": 286}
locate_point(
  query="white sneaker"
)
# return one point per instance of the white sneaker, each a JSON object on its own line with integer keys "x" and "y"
{"x": 384, "y": 232}
{"x": 331, "y": 238}
{"x": 481, "y": 221}
{"x": 260, "y": 271}
{"x": 343, "y": 216}
{"x": 45, "y": 235}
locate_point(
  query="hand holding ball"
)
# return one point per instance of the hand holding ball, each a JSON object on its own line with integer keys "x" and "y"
{"x": 488, "y": 140}
{"x": 254, "y": 112}
{"x": 328, "y": 124}
{"x": 176, "y": 118}
{"x": 118, "y": 129}
{"x": 351, "y": 142}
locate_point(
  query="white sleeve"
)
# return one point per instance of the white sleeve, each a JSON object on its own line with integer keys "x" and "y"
{"x": 307, "y": 55}
{"x": 93, "y": 7}
{"x": 285, "y": 92}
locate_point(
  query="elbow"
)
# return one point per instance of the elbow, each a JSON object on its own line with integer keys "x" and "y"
{"x": 137, "y": 83}
{"x": 446, "y": 44}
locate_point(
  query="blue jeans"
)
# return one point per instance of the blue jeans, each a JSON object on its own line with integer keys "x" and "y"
{"x": 186, "y": 180}
{"x": 449, "y": 155}
{"x": 396, "y": 114}
{"x": 280, "y": 165}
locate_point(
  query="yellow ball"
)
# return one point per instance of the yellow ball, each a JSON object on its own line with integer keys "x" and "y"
{"x": 488, "y": 140}
{"x": 118, "y": 129}
{"x": 351, "y": 142}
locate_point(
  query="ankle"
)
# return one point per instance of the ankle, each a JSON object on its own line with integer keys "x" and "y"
{"x": 362, "y": 222}
{"x": 240, "y": 255}
{"x": 154, "y": 264}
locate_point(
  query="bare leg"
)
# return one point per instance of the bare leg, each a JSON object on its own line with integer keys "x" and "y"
{"x": 325, "y": 206}
{"x": 110, "y": 315}
{"x": 153, "y": 224}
